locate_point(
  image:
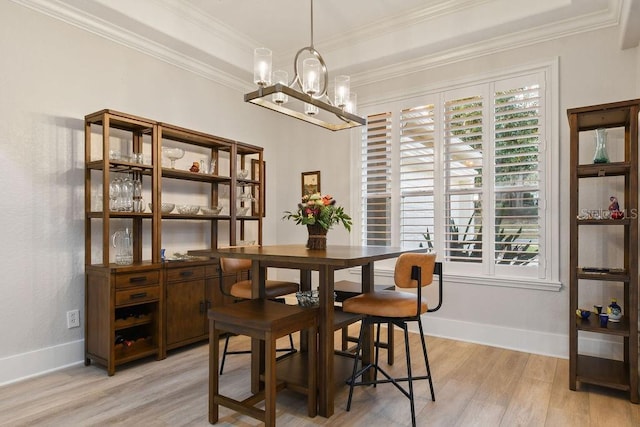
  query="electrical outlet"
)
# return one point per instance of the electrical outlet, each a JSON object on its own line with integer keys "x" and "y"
{"x": 73, "y": 319}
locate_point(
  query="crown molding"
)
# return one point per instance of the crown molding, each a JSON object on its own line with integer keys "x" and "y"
{"x": 69, "y": 14}
{"x": 528, "y": 37}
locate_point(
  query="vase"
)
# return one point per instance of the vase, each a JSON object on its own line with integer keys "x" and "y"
{"x": 600, "y": 155}
{"x": 317, "y": 237}
{"x": 614, "y": 311}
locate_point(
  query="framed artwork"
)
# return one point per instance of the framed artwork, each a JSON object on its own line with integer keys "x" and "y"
{"x": 258, "y": 174}
{"x": 310, "y": 183}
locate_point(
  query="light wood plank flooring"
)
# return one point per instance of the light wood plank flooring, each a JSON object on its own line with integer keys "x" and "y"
{"x": 475, "y": 385}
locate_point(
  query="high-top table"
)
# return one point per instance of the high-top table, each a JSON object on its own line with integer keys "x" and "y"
{"x": 326, "y": 262}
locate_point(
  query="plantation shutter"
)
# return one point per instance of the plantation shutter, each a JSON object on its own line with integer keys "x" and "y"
{"x": 464, "y": 146}
{"x": 376, "y": 181}
{"x": 417, "y": 161}
{"x": 517, "y": 158}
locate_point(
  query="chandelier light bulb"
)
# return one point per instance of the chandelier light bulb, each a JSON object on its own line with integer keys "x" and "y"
{"x": 262, "y": 58}
{"x": 310, "y": 109}
{"x": 281, "y": 77}
{"x": 342, "y": 87}
{"x": 311, "y": 76}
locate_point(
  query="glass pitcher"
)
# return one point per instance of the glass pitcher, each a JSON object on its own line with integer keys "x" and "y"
{"x": 122, "y": 241}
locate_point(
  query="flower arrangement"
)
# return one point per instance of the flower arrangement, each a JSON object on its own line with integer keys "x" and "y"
{"x": 319, "y": 210}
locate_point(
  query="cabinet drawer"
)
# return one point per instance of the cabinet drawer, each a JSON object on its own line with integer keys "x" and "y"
{"x": 142, "y": 294}
{"x": 141, "y": 278}
{"x": 184, "y": 273}
{"x": 212, "y": 270}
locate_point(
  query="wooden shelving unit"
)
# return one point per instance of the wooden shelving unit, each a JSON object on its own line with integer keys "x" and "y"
{"x": 144, "y": 309}
{"x": 583, "y": 368}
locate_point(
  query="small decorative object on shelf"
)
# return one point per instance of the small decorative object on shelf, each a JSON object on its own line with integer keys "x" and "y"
{"x": 614, "y": 311}
{"x": 319, "y": 213}
{"x": 601, "y": 155}
{"x": 195, "y": 167}
{"x": 582, "y": 313}
{"x": 604, "y": 319}
{"x": 614, "y": 208}
{"x": 173, "y": 154}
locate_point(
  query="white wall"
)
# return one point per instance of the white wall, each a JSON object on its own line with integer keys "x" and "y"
{"x": 54, "y": 74}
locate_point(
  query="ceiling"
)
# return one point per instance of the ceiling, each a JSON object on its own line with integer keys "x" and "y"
{"x": 368, "y": 39}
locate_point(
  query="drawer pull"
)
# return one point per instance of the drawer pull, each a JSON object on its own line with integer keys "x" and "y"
{"x": 138, "y": 279}
{"x": 138, "y": 295}
{"x": 186, "y": 273}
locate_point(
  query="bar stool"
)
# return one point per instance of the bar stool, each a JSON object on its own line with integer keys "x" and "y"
{"x": 412, "y": 270}
{"x": 241, "y": 290}
{"x": 346, "y": 289}
{"x": 266, "y": 321}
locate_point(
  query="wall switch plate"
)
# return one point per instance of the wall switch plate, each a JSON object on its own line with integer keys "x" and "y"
{"x": 73, "y": 319}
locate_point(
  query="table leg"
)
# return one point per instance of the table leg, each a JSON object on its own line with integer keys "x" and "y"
{"x": 367, "y": 338}
{"x": 305, "y": 285}
{"x": 258, "y": 279}
{"x": 325, "y": 342}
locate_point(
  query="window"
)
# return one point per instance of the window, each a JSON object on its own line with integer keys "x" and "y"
{"x": 465, "y": 172}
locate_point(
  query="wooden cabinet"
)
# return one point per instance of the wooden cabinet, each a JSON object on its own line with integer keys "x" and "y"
{"x": 589, "y": 226}
{"x": 123, "y": 314}
{"x": 149, "y": 306}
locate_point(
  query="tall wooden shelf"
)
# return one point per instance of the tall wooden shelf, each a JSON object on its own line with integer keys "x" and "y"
{"x": 155, "y": 305}
{"x": 583, "y": 368}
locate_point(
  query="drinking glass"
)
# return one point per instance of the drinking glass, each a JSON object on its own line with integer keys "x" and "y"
{"x": 126, "y": 192}
{"x": 114, "y": 194}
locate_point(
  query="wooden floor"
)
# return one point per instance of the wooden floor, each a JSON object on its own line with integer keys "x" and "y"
{"x": 475, "y": 385}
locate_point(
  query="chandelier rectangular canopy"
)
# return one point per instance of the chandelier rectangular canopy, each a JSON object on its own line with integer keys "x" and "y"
{"x": 305, "y": 97}
{"x": 332, "y": 117}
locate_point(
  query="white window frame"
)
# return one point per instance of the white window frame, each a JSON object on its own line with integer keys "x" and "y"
{"x": 549, "y": 273}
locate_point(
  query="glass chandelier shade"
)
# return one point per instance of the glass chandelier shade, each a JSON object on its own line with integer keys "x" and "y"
{"x": 281, "y": 77}
{"x": 311, "y": 76}
{"x": 342, "y": 86}
{"x": 262, "y": 59}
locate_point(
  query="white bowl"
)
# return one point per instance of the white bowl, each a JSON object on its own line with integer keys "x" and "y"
{"x": 188, "y": 209}
{"x": 243, "y": 173}
{"x": 243, "y": 211}
{"x": 164, "y": 207}
{"x": 214, "y": 210}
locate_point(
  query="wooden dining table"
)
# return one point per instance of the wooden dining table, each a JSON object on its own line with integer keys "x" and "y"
{"x": 325, "y": 262}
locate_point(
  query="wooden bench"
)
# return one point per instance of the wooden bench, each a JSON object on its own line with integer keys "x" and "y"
{"x": 266, "y": 321}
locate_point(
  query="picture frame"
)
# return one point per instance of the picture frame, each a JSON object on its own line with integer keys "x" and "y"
{"x": 310, "y": 183}
{"x": 258, "y": 174}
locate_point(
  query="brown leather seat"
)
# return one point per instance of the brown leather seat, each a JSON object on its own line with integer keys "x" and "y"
{"x": 384, "y": 303}
{"x": 273, "y": 289}
{"x": 412, "y": 270}
{"x": 242, "y": 289}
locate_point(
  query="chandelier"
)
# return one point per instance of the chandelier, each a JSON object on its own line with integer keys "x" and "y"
{"x": 305, "y": 96}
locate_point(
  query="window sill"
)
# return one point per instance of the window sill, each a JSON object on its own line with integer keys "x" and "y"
{"x": 503, "y": 282}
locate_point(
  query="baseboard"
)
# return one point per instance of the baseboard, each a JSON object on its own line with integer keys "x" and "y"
{"x": 33, "y": 363}
{"x": 536, "y": 342}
